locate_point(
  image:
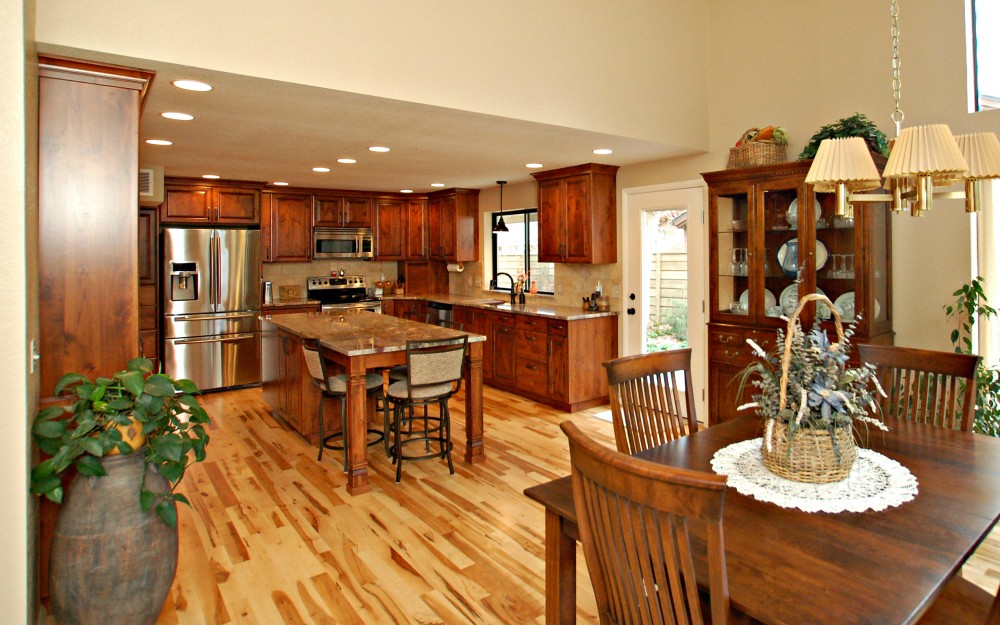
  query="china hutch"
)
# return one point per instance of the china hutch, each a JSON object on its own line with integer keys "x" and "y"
{"x": 771, "y": 237}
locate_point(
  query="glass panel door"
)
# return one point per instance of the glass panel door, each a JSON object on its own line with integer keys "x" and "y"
{"x": 731, "y": 228}
{"x": 785, "y": 247}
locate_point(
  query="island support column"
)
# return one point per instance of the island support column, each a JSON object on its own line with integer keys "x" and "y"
{"x": 474, "y": 449}
{"x": 355, "y": 422}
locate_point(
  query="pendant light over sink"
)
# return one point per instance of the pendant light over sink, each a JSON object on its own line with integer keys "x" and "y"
{"x": 500, "y": 226}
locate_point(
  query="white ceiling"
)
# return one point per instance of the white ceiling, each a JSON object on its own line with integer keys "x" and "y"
{"x": 262, "y": 130}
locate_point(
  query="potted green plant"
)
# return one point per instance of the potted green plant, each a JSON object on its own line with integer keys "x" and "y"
{"x": 130, "y": 437}
{"x": 971, "y": 304}
{"x": 857, "y": 125}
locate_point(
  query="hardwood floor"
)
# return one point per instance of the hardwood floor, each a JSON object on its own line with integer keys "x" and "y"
{"x": 272, "y": 536}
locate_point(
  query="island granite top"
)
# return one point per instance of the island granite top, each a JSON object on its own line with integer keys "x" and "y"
{"x": 359, "y": 332}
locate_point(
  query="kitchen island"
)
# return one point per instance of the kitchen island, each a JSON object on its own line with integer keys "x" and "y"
{"x": 355, "y": 342}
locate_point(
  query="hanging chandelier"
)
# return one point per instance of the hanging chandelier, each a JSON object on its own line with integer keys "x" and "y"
{"x": 500, "y": 226}
{"x": 921, "y": 158}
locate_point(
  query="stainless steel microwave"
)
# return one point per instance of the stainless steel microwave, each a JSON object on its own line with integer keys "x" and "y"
{"x": 331, "y": 243}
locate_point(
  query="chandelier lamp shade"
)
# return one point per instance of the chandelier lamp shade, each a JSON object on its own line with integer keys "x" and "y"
{"x": 920, "y": 159}
{"x": 843, "y": 166}
{"x": 500, "y": 226}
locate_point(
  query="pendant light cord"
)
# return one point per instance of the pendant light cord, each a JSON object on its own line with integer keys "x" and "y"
{"x": 897, "y": 115}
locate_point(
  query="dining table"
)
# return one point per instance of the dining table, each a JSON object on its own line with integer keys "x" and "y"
{"x": 359, "y": 341}
{"x": 790, "y": 567}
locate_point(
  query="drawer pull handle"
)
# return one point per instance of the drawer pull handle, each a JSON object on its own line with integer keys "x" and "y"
{"x": 726, "y": 338}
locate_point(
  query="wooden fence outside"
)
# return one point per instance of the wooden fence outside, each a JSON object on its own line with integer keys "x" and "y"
{"x": 668, "y": 287}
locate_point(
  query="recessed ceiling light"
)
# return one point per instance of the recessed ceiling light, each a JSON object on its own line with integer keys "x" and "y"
{"x": 211, "y": 176}
{"x": 346, "y": 161}
{"x": 406, "y": 190}
{"x": 321, "y": 170}
{"x": 280, "y": 184}
{"x": 602, "y": 151}
{"x": 437, "y": 184}
{"x": 533, "y": 165}
{"x": 184, "y": 117}
{"x": 159, "y": 142}
{"x": 378, "y": 148}
{"x": 192, "y": 85}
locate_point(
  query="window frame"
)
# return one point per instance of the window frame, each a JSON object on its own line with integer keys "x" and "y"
{"x": 494, "y": 217}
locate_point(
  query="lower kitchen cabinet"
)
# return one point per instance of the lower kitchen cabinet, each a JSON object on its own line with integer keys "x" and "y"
{"x": 532, "y": 357}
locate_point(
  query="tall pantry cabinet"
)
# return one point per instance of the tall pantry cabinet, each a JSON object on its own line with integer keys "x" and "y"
{"x": 88, "y": 152}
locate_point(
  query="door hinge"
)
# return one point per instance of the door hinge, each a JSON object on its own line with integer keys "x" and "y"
{"x": 703, "y": 216}
{"x": 703, "y": 307}
{"x": 702, "y": 394}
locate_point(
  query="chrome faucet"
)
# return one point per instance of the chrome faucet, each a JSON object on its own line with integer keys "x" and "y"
{"x": 493, "y": 283}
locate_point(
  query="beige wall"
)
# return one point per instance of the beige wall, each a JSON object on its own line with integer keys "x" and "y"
{"x": 17, "y": 105}
{"x": 571, "y": 63}
{"x": 802, "y": 65}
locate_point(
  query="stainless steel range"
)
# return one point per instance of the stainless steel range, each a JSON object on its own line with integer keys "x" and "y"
{"x": 342, "y": 292}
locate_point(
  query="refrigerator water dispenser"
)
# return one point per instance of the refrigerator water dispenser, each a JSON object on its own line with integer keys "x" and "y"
{"x": 183, "y": 282}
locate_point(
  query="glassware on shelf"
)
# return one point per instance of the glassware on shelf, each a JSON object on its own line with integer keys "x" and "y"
{"x": 767, "y": 262}
{"x": 743, "y": 264}
{"x": 734, "y": 264}
{"x": 836, "y": 266}
{"x": 848, "y": 266}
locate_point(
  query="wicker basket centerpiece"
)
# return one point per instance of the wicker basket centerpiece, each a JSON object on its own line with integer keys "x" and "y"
{"x": 811, "y": 400}
{"x": 759, "y": 146}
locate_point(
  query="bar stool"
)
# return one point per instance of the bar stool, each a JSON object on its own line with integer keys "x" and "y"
{"x": 399, "y": 371}
{"x": 433, "y": 375}
{"x": 335, "y": 386}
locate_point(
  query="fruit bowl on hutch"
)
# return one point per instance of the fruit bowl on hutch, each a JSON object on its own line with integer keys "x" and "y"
{"x": 811, "y": 400}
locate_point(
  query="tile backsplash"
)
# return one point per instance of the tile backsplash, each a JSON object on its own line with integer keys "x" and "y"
{"x": 573, "y": 282}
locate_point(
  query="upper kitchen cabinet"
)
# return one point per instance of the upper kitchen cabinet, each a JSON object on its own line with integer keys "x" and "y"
{"x": 452, "y": 225}
{"x": 186, "y": 201}
{"x": 401, "y": 231}
{"x": 343, "y": 211}
{"x": 577, "y": 214}
{"x": 286, "y": 227}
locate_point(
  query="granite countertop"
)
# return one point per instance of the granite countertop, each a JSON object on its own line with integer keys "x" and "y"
{"x": 537, "y": 306}
{"x": 359, "y": 332}
{"x": 298, "y": 301}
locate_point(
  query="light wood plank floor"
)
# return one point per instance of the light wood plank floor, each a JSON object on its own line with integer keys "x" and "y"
{"x": 273, "y": 537}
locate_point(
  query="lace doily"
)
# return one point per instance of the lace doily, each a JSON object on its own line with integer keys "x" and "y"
{"x": 874, "y": 483}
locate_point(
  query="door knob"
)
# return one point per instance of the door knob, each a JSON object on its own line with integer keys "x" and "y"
{"x": 631, "y": 296}
{"x": 631, "y": 311}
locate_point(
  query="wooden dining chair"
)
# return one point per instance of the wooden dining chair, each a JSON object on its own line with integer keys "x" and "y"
{"x": 923, "y": 385}
{"x": 963, "y": 603}
{"x": 635, "y": 520}
{"x": 647, "y": 406}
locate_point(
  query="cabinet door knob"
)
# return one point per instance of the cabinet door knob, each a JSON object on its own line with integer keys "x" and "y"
{"x": 631, "y": 311}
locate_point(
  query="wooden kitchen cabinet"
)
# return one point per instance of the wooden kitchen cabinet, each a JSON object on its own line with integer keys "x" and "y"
{"x": 577, "y": 214}
{"x": 149, "y": 310}
{"x": 416, "y": 229}
{"x": 756, "y": 216}
{"x": 343, "y": 211}
{"x": 187, "y": 201}
{"x": 390, "y": 228}
{"x": 286, "y": 228}
{"x": 553, "y": 361}
{"x": 453, "y": 225}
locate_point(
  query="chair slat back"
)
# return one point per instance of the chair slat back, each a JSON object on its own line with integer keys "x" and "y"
{"x": 938, "y": 388}
{"x": 648, "y": 407}
{"x": 422, "y": 317}
{"x": 636, "y": 520}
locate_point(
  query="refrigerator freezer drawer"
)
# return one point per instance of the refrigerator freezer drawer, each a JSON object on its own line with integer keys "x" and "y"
{"x": 184, "y": 326}
{"x": 214, "y": 361}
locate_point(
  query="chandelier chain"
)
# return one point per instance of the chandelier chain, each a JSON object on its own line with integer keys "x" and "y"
{"x": 897, "y": 115}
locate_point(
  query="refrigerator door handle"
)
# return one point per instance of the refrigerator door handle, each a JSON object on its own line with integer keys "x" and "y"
{"x": 217, "y": 275}
{"x": 228, "y": 338}
{"x": 213, "y": 316}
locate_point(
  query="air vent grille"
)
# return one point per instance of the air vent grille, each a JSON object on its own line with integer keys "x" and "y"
{"x": 147, "y": 184}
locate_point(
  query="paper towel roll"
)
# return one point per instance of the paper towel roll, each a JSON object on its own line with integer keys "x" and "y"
{"x": 456, "y": 267}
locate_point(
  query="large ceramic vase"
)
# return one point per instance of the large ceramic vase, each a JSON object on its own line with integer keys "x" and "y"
{"x": 111, "y": 562}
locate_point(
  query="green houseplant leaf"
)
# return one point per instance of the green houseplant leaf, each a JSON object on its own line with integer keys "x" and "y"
{"x": 971, "y": 305}
{"x": 857, "y": 125}
{"x": 85, "y": 429}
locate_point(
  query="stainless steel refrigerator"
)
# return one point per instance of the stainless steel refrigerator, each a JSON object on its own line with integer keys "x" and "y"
{"x": 211, "y": 305}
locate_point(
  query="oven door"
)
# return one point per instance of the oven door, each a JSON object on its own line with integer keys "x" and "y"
{"x": 374, "y": 306}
